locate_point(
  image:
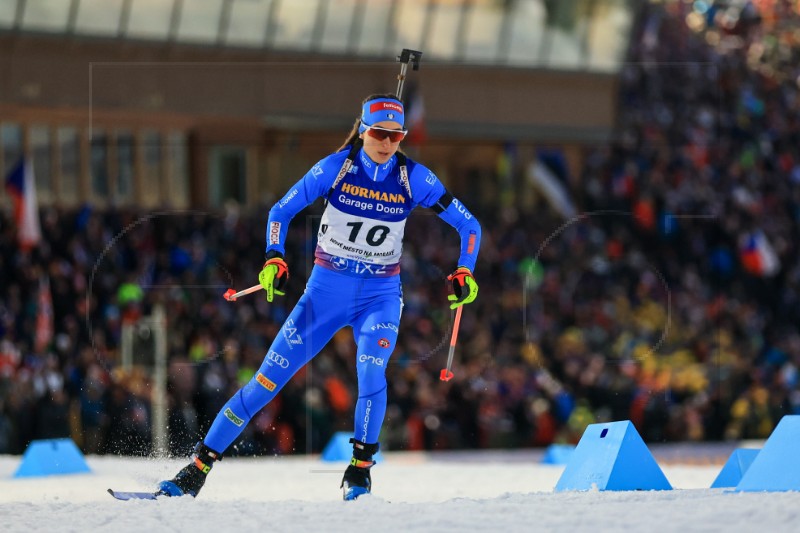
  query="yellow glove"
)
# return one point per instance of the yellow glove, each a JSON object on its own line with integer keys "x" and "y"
{"x": 465, "y": 288}
{"x": 274, "y": 275}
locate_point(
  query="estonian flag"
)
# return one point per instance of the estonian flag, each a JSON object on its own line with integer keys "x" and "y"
{"x": 757, "y": 255}
{"x": 21, "y": 187}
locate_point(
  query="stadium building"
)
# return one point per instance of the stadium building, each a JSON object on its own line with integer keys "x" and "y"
{"x": 191, "y": 103}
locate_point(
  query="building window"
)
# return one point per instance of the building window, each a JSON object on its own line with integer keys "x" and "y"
{"x": 483, "y": 32}
{"x": 125, "y": 165}
{"x": 338, "y": 26}
{"x": 373, "y": 28}
{"x": 41, "y": 150}
{"x": 200, "y": 20}
{"x": 69, "y": 164}
{"x": 228, "y": 165}
{"x": 527, "y": 27}
{"x": 248, "y": 21}
{"x": 151, "y": 167}
{"x": 99, "y": 17}
{"x": 295, "y": 24}
{"x": 610, "y": 27}
{"x": 99, "y": 164}
{"x": 408, "y": 24}
{"x": 46, "y": 15}
{"x": 443, "y": 39}
{"x": 149, "y": 19}
{"x": 11, "y": 139}
{"x": 8, "y": 12}
{"x": 178, "y": 154}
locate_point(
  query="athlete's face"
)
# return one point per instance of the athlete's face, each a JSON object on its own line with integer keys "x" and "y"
{"x": 381, "y": 150}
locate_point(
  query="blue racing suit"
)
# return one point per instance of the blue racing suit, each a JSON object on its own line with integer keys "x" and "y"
{"x": 355, "y": 281}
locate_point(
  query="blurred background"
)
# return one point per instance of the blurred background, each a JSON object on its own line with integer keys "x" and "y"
{"x": 634, "y": 165}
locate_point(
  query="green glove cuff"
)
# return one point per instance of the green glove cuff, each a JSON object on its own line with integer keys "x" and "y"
{"x": 274, "y": 276}
{"x": 465, "y": 287}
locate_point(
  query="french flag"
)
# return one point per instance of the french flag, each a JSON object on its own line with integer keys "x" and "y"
{"x": 21, "y": 187}
{"x": 757, "y": 255}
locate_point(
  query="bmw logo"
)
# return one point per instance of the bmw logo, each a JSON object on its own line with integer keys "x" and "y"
{"x": 339, "y": 263}
{"x": 390, "y": 115}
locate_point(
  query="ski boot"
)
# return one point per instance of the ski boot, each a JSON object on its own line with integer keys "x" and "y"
{"x": 192, "y": 477}
{"x": 356, "y": 480}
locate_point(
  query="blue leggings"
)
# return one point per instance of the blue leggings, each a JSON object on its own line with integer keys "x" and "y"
{"x": 372, "y": 306}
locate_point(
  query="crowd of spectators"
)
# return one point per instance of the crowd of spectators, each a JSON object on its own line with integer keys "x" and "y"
{"x": 644, "y": 308}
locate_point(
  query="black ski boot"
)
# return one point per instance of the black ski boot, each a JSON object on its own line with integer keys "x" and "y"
{"x": 192, "y": 477}
{"x": 356, "y": 480}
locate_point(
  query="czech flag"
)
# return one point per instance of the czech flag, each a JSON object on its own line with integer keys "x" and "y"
{"x": 21, "y": 187}
{"x": 757, "y": 255}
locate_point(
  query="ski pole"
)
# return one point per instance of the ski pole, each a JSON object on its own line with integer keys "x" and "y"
{"x": 231, "y": 294}
{"x": 446, "y": 374}
{"x": 406, "y": 56}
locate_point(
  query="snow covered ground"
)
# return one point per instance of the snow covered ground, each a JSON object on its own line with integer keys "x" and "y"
{"x": 412, "y": 492}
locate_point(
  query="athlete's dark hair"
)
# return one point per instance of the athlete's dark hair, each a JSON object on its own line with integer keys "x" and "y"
{"x": 353, "y": 135}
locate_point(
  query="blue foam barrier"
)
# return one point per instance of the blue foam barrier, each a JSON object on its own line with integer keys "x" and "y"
{"x": 558, "y": 454}
{"x": 612, "y": 456}
{"x": 776, "y": 468}
{"x": 340, "y": 449}
{"x": 51, "y": 457}
{"x": 735, "y": 467}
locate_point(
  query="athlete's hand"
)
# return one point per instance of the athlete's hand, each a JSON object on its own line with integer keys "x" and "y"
{"x": 274, "y": 275}
{"x": 465, "y": 288}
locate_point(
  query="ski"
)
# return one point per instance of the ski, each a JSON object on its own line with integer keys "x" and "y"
{"x": 125, "y": 496}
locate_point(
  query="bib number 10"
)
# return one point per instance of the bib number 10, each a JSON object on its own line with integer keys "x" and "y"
{"x": 375, "y": 236}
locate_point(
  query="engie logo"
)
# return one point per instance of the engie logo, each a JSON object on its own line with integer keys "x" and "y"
{"x": 364, "y": 358}
{"x": 275, "y": 233}
{"x": 233, "y": 418}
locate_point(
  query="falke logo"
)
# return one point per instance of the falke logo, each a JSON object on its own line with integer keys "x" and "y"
{"x": 384, "y": 325}
{"x": 363, "y": 192}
